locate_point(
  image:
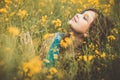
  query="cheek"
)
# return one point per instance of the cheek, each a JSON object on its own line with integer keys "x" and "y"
{"x": 82, "y": 27}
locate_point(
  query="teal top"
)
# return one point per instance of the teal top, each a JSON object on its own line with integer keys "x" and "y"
{"x": 54, "y": 50}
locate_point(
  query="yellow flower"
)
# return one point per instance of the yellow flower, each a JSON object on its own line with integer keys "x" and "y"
{"x": 6, "y": 19}
{"x": 13, "y": 31}
{"x": 91, "y": 46}
{"x": 96, "y": 52}
{"x": 111, "y": 37}
{"x": 79, "y": 58}
{"x": 85, "y": 58}
{"x": 111, "y": 1}
{"x": 56, "y": 23}
{"x": 13, "y": 13}
{"x": 47, "y": 36}
{"x": 49, "y": 76}
{"x": 113, "y": 57}
{"x": 67, "y": 40}
{"x": 103, "y": 55}
{"x": 33, "y": 66}
{"x": 114, "y": 30}
{"x": 3, "y": 10}
{"x": 43, "y": 20}
{"x": 59, "y": 29}
{"x": 55, "y": 56}
{"x": 63, "y": 44}
{"x": 8, "y": 1}
{"x": 53, "y": 70}
{"x": 90, "y": 57}
{"x": 22, "y": 13}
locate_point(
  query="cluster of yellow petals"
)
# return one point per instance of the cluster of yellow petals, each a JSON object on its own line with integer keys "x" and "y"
{"x": 56, "y": 23}
{"x": 3, "y": 10}
{"x": 65, "y": 42}
{"x": 43, "y": 20}
{"x": 47, "y": 35}
{"x": 91, "y": 46}
{"x": 97, "y": 52}
{"x": 103, "y": 55}
{"x": 53, "y": 70}
{"x": 114, "y": 31}
{"x": 14, "y": 31}
{"x": 8, "y": 1}
{"x": 33, "y": 66}
{"x": 111, "y": 37}
{"x": 22, "y": 13}
{"x": 88, "y": 58}
{"x": 55, "y": 56}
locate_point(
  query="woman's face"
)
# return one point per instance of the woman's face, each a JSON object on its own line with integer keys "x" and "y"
{"x": 81, "y": 22}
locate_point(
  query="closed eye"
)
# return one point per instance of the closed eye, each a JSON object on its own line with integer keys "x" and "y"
{"x": 85, "y": 18}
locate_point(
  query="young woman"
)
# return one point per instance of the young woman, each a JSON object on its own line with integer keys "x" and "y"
{"x": 90, "y": 26}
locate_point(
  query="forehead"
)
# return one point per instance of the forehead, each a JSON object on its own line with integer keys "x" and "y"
{"x": 91, "y": 14}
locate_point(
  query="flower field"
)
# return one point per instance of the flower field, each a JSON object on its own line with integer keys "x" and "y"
{"x": 20, "y": 57}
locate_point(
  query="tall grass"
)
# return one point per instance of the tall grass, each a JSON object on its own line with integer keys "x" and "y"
{"x": 41, "y": 17}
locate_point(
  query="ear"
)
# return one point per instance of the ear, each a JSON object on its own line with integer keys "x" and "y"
{"x": 86, "y": 34}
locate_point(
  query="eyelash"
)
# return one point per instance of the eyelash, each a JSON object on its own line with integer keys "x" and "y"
{"x": 85, "y": 18}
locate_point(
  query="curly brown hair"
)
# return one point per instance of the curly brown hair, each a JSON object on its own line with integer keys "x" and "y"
{"x": 100, "y": 28}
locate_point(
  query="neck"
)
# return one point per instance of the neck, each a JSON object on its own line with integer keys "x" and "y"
{"x": 76, "y": 38}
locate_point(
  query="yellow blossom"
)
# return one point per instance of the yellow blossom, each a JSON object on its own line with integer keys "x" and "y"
{"x": 79, "y": 58}
{"x": 103, "y": 55}
{"x": 53, "y": 70}
{"x": 85, "y": 58}
{"x": 111, "y": 37}
{"x": 90, "y": 57}
{"x": 6, "y": 19}
{"x": 63, "y": 44}
{"x": 113, "y": 57}
{"x": 8, "y": 1}
{"x": 13, "y": 31}
{"x": 114, "y": 30}
{"x": 96, "y": 52}
{"x": 43, "y": 20}
{"x": 33, "y": 66}
{"x": 3, "y": 10}
{"x": 91, "y": 46}
{"x": 55, "y": 56}
{"x": 59, "y": 29}
{"x": 22, "y": 13}
{"x": 67, "y": 40}
{"x": 49, "y": 76}
{"x": 111, "y": 1}
{"x": 56, "y": 23}
{"x": 47, "y": 36}
{"x": 42, "y": 4}
{"x": 11, "y": 14}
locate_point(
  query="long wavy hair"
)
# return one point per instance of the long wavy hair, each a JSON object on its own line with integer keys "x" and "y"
{"x": 99, "y": 29}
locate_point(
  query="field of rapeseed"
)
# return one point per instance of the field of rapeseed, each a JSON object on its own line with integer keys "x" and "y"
{"x": 40, "y": 18}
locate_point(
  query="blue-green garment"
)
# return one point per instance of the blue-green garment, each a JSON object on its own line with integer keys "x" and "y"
{"x": 54, "y": 50}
